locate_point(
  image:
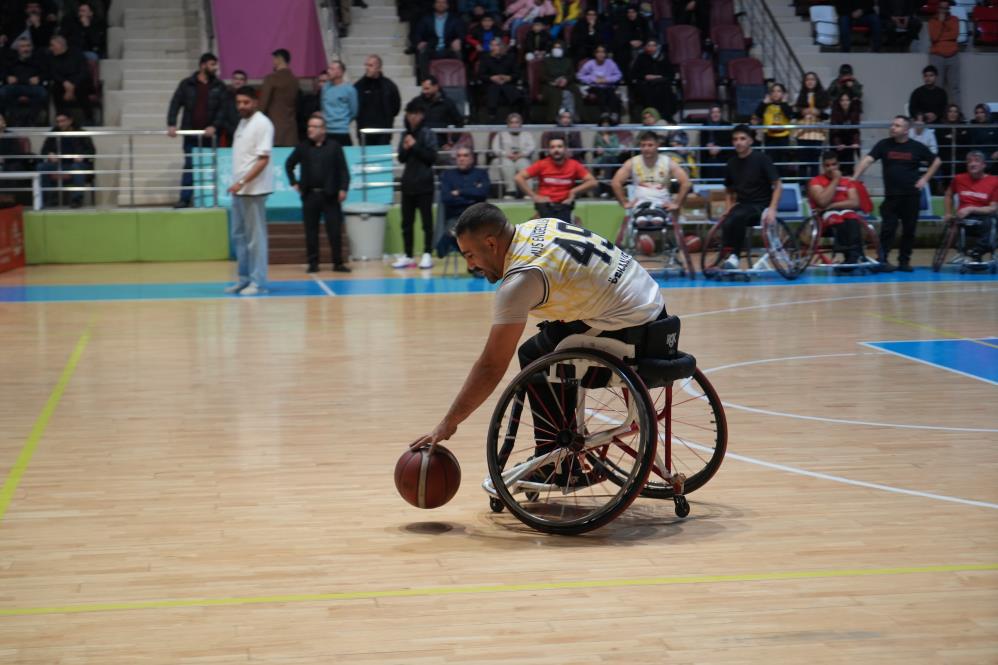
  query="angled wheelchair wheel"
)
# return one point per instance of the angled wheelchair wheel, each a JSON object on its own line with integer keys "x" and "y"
{"x": 784, "y": 250}
{"x": 560, "y": 429}
{"x": 945, "y": 245}
{"x": 809, "y": 239}
{"x": 713, "y": 253}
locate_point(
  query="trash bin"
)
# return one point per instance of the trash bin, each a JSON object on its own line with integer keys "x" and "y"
{"x": 366, "y": 228}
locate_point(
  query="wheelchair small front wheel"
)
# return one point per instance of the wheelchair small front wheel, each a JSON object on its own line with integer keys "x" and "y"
{"x": 560, "y": 429}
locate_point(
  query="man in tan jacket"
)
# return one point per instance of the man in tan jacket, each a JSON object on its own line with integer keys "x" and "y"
{"x": 279, "y": 100}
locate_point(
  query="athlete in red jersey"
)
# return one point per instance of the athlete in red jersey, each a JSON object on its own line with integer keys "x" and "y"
{"x": 556, "y": 175}
{"x": 837, "y": 199}
{"x": 978, "y": 194}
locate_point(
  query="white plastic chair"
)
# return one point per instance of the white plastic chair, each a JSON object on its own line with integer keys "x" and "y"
{"x": 825, "y": 24}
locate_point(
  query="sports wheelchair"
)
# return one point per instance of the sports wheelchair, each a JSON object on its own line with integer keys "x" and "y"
{"x": 819, "y": 246}
{"x": 583, "y": 431}
{"x": 966, "y": 259}
{"x": 664, "y": 231}
{"x": 781, "y": 251}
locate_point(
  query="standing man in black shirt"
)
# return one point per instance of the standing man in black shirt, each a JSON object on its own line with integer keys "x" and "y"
{"x": 753, "y": 188}
{"x": 323, "y": 186}
{"x": 378, "y": 102}
{"x": 902, "y": 158}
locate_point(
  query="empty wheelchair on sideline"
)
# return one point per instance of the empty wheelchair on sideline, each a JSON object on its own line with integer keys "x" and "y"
{"x": 655, "y": 237}
{"x": 582, "y": 432}
{"x": 968, "y": 245}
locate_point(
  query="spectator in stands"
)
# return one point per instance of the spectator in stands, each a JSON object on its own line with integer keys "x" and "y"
{"x": 679, "y": 152}
{"x": 413, "y": 12}
{"x": 607, "y": 152}
{"x": 418, "y": 151}
{"x": 845, "y": 141}
{"x": 899, "y": 23}
{"x": 565, "y": 129}
{"x": 279, "y": 99}
{"x": 439, "y": 35}
{"x": 339, "y": 103}
{"x": 472, "y": 11}
{"x": 812, "y": 95}
{"x": 629, "y": 35}
{"x": 692, "y": 12}
{"x": 557, "y": 175}
{"x": 810, "y": 140}
{"x": 460, "y": 188}
{"x": 85, "y": 33}
{"x": 836, "y": 199}
{"x": 13, "y": 155}
{"x": 902, "y": 181}
{"x": 773, "y": 110}
{"x": 586, "y": 36}
{"x": 345, "y": 18}
{"x": 845, "y": 83}
{"x": 480, "y": 37}
{"x": 324, "y": 183}
{"x": 39, "y": 25}
{"x": 954, "y": 142}
{"x": 944, "y": 52}
{"x": 753, "y": 188}
{"x": 513, "y": 150}
{"x": 525, "y": 11}
{"x": 716, "y": 142}
{"x": 310, "y": 102}
{"x": 26, "y": 77}
{"x": 70, "y": 78}
{"x": 854, "y": 13}
{"x": 500, "y": 78}
{"x": 229, "y": 113}
{"x": 201, "y": 96}
{"x": 651, "y": 80}
{"x": 537, "y": 43}
{"x": 566, "y": 14}
{"x": 985, "y": 139}
{"x": 978, "y": 194}
{"x": 929, "y": 99}
{"x": 439, "y": 112}
{"x": 924, "y": 135}
{"x": 378, "y": 101}
{"x": 556, "y": 76}
{"x": 54, "y": 168}
{"x": 600, "y": 76}
{"x": 651, "y": 173}
{"x": 253, "y": 182}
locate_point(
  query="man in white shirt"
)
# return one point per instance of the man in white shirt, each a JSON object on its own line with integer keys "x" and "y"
{"x": 253, "y": 181}
{"x": 652, "y": 174}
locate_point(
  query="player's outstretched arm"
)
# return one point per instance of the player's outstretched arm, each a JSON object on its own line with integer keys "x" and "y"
{"x": 483, "y": 378}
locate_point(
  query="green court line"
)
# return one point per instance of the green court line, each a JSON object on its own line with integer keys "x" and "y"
{"x": 41, "y": 423}
{"x": 497, "y": 588}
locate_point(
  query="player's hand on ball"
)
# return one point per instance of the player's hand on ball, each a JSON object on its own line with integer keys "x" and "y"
{"x": 441, "y": 432}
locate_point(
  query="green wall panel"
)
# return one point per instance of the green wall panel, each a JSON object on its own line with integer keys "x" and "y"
{"x": 34, "y": 237}
{"x": 183, "y": 235}
{"x": 99, "y": 236}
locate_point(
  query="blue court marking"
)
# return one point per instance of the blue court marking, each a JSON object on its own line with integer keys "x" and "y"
{"x": 424, "y": 285}
{"x": 961, "y": 356}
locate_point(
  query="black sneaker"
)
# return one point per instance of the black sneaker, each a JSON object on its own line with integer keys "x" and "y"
{"x": 339, "y": 267}
{"x": 905, "y": 267}
{"x": 312, "y": 268}
{"x": 887, "y": 267}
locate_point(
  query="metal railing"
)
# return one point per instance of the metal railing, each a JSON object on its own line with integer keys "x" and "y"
{"x": 768, "y": 37}
{"x": 116, "y": 174}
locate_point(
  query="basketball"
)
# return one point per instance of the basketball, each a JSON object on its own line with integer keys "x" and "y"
{"x": 693, "y": 243}
{"x": 646, "y": 244}
{"x": 425, "y": 480}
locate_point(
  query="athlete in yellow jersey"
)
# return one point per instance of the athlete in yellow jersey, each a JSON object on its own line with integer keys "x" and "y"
{"x": 576, "y": 280}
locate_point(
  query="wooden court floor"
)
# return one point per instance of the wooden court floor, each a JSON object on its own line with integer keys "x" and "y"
{"x": 210, "y": 481}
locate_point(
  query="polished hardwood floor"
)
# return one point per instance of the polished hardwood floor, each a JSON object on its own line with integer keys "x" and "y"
{"x": 210, "y": 481}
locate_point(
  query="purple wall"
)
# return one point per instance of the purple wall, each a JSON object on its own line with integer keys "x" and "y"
{"x": 248, "y": 31}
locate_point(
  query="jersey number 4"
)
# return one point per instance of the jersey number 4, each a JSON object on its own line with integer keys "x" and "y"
{"x": 582, "y": 250}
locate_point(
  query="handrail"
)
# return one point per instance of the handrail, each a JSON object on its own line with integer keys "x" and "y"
{"x": 775, "y": 48}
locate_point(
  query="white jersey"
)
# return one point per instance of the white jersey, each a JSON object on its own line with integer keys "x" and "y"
{"x": 651, "y": 183}
{"x": 586, "y": 278}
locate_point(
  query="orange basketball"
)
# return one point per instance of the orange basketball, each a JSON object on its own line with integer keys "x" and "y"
{"x": 645, "y": 244}
{"x": 693, "y": 243}
{"x": 425, "y": 480}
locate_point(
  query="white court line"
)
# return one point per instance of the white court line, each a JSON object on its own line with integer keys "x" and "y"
{"x": 322, "y": 285}
{"x": 926, "y": 362}
{"x": 836, "y": 421}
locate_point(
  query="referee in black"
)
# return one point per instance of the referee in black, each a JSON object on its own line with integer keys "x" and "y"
{"x": 752, "y": 189}
{"x": 323, "y": 186}
{"x": 902, "y": 158}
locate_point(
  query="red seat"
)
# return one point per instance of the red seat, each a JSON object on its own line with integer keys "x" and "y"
{"x": 566, "y": 33}
{"x": 684, "y": 43}
{"x": 450, "y": 72}
{"x": 521, "y": 35}
{"x": 985, "y": 26}
{"x": 722, "y": 12}
{"x": 534, "y": 68}
{"x": 728, "y": 37}
{"x": 699, "y": 82}
{"x": 746, "y": 71}
{"x": 96, "y": 95}
{"x": 661, "y": 9}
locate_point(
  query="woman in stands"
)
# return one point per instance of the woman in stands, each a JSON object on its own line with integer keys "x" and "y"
{"x": 846, "y": 111}
{"x": 954, "y": 143}
{"x": 812, "y": 95}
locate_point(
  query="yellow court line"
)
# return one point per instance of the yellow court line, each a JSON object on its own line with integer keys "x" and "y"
{"x": 938, "y": 331}
{"x": 497, "y": 588}
{"x": 41, "y": 423}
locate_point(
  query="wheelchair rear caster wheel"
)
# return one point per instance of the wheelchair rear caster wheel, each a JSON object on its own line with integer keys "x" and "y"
{"x": 496, "y": 505}
{"x": 682, "y": 506}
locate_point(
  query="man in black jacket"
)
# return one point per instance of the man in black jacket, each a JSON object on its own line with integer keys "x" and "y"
{"x": 325, "y": 179}
{"x": 378, "y": 102}
{"x": 25, "y": 76}
{"x": 431, "y": 44}
{"x": 418, "y": 151}
{"x": 70, "y": 77}
{"x": 201, "y": 95}
{"x": 928, "y": 100}
{"x": 53, "y": 147}
{"x": 500, "y": 77}
{"x": 439, "y": 111}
